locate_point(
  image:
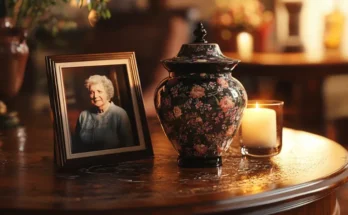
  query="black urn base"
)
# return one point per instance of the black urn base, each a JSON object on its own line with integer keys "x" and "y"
{"x": 199, "y": 162}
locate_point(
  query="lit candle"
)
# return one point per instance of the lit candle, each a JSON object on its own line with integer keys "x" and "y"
{"x": 245, "y": 45}
{"x": 259, "y": 128}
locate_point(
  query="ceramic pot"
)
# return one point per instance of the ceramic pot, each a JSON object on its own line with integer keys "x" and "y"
{"x": 14, "y": 54}
{"x": 200, "y": 104}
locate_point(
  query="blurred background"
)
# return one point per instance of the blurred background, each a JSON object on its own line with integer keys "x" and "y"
{"x": 292, "y": 50}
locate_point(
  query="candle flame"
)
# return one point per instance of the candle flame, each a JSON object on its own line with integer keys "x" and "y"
{"x": 256, "y": 105}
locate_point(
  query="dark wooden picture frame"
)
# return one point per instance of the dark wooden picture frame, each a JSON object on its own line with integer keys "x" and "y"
{"x": 69, "y": 97}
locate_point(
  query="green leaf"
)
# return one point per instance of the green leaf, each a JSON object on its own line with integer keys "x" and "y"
{"x": 108, "y": 14}
{"x": 54, "y": 30}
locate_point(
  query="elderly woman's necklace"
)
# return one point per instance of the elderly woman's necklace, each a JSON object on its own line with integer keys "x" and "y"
{"x": 100, "y": 112}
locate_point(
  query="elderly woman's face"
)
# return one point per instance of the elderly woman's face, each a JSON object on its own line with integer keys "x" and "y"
{"x": 98, "y": 95}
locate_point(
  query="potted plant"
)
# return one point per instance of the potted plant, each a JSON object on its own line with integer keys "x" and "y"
{"x": 18, "y": 21}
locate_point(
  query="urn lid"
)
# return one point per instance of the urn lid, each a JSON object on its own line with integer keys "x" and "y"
{"x": 200, "y": 54}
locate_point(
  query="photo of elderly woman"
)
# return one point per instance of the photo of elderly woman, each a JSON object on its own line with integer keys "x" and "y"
{"x": 104, "y": 125}
{"x": 100, "y": 110}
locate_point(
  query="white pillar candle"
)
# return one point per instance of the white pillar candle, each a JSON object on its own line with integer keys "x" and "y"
{"x": 245, "y": 45}
{"x": 259, "y": 128}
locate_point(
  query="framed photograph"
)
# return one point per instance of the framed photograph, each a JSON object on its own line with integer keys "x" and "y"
{"x": 98, "y": 111}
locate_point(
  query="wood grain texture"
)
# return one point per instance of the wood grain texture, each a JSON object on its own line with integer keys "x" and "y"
{"x": 301, "y": 178}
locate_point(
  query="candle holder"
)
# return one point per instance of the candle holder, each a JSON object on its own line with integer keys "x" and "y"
{"x": 262, "y": 128}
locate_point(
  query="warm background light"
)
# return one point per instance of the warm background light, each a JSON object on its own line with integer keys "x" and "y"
{"x": 245, "y": 45}
{"x": 312, "y": 24}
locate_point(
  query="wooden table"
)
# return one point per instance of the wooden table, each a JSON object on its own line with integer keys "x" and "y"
{"x": 305, "y": 109}
{"x": 301, "y": 179}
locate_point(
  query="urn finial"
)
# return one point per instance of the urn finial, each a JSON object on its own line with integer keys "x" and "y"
{"x": 200, "y": 33}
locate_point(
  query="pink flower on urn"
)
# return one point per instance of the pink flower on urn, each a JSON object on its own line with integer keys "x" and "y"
{"x": 226, "y": 103}
{"x": 199, "y": 120}
{"x": 197, "y": 92}
{"x": 177, "y": 111}
{"x": 223, "y": 83}
{"x": 201, "y": 149}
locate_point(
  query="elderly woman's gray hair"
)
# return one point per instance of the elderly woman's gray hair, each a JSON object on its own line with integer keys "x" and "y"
{"x": 101, "y": 79}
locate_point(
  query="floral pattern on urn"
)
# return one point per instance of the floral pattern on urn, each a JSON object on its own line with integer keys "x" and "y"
{"x": 200, "y": 104}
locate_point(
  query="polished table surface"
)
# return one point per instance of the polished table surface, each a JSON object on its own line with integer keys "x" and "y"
{"x": 305, "y": 172}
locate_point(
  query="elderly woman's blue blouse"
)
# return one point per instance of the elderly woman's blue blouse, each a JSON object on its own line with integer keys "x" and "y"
{"x": 95, "y": 131}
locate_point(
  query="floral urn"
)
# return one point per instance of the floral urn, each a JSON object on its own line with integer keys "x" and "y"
{"x": 200, "y": 104}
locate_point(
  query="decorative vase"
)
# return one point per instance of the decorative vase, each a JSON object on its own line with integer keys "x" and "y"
{"x": 14, "y": 54}
{"x": 200, "y": 104}
{"x": 293, "y": 42}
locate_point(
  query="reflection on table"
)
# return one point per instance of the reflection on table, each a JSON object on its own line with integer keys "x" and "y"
{"x": 302, "y": 177}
